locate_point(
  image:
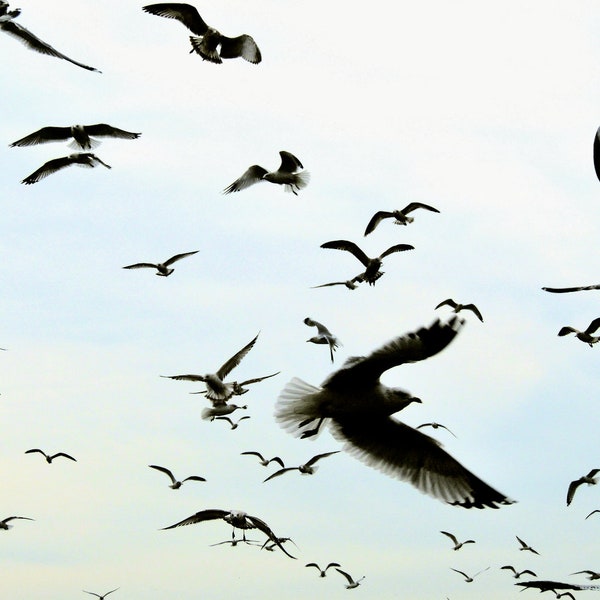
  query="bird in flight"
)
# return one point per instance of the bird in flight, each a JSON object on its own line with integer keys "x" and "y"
{"x": 238, "y": 388}
{"x": 322, "y": 572}
{"x": 4, "y": 522}
{"x": 525, "y": 546}
{"x": 351, "y": 582}
{"x": 351, "y": 284}
{"x": 81, "y": 134}
{"x": 401, "y": 216}
{"x": 175, "y": 484}
{"x": 468, "y": 578}
{"x": 517, "y": 574}
{"x": 162, "y": 268}
{"x": 571, "y": 289}
{"x": 10, "y": 26}
{"x": 324, "y": 336}
{"x": 458, "y": 307}
{"x": 50, "y": 458}
{"x": 457, "y": 545}
{"x": 207, "y": 40}
{"x": 81, "y": 159}
{"x": 101, "y": 596}
{"x": 358, "y": 409}
{"x": 288, "y": 174}
{"x": 372, "y": 265}
{"x": 586, "y": 335}
{"x": 263, "y": 461}
{"x": 434, "y": 426}
{"x": 590, "y": 479}
{"x": 233, "y": 425}
{"x": 308, "y": 468}
{"x": 591, "y": 574}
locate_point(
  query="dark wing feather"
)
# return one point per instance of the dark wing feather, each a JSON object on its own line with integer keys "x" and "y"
{"x": 571, "y": 289}
{"x": 235, "y": 360}
{"x": 349, "y": 247}
{"x": 243, "y": 45}
{"x": 414, "y": 205}
{"x": 592, "y": 327}
{"x": 178, "y": 257}
{"x": 396, "y": 248}
{"x": 597, "y": 153}
{"x": 141, "y": 266}
{"x": 314, "y": 459}
{"x": 257, "y": 379}
{"x": 280, "y": 472}
{"x": 63, "y": 454}
{"x": 48, "y": 168}
{"x": 252, "y": 175}
{"x": 204, "y": 515}
{"x": 104, "y": 130}
{"x": 43, "y": 135}
{"x": 376, "y": 219}
{"x": 262, "y": 526}
{"x": 184, "y": 13}
{"x": 165, "y": 471}
{"x": 289, "y": 163}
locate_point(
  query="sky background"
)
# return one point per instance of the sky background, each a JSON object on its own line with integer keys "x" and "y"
{"x": 485, "y": 111}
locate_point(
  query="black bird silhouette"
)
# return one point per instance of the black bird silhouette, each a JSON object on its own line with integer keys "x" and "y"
{"x": 401, "y": 216}
{"x": 308, "y": 468}
{"x": 591, "y": 574}
{"x": 571, "y": 289}
{"x": 263, "y": 461}
{"x": 590, "y": 479}
{"x": 49, "y": 458}
{"x": 458, "y": 307}
{"x": 324, "y": 336}
{"x": 4, "y": 522}
{"x": 468, "y": 578}
{"x": 231, "y": 423}
{"x": 162, "y": 268}
{"x": 596, "y": 153}
{"x": 175, "y": 484}
{"x": 457, "y": 545}
{"x": 351, "y": 582}
{"x": 434, "y": 426}
{"x": 101, "y": 597}
{"x": 586, "y": 335}
{"x": 517, "y": 574}
{"x": 351, "y": 284}
{"x": 525, "y": 546}
{"x": 81, "y": 159}
{"x": 322, "y": 572}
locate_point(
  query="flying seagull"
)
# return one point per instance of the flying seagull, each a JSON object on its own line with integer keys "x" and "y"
{"x": 49, "y": 458}
{"x": 457, "y": 545}
{"x": 324, "y": 336}
{"x": 81, "y": 159}
{"x": 162, "y": 268}
{"x": 591, "y": 574}
{"x": 434, "y": 426}
{"x": 517, "y": 574}
{"x": 468, "y": 578}
{"x": 233, "y": 542}
{"x": 263, "y": 461}
{"x": 571, "y": 289}
{"x": 458, "y": 307}
{"x": 8, "y": 25}
{"x": 372, "y": 265}
{"x": 81, "y": 135}
{"x": 233, "y": 425}
{"x": 351, "y": 583}
{"x": 207, "y": 40}
{"x": 101, "y": 597}
{"x": 585, "y": 336}
{"x": 351, "y": 284}
{"x": 525, "y": 546}
{"x": 401, "y": 216}
{"x": 322, "y": 572}
{"x": 590, "y": 479}
{"x": 175, "y": 484}
{"x": 238, "y": 388}
{"x": 287, "y": 175}
{"x": 358, "y": 409}
{"x": 4, "y": 522}
{"x": 308, "y": 468}
{"x": 238, "y": 519}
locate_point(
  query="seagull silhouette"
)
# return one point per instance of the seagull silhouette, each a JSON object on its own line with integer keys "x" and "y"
{"x": 434, "y": 426}
{"x": 351, "y": 583}
{"x": 590, "y": 479}
{"x": 322, "y": 572}
{"x": 517, "y": 574}
{"x": 585, "y": 336}
{"x": 263, "y": 461}
{"x": 101, "y": 597}
{"x": 239, "y": 388}
{"x": 358, "y": 409}
{"x": 593, "y": 512}
{"x": 162, "y": 268}
{"x": 525, "y": 546}
{"x": 81, "y": 159}
{"x": 458, "y": 307}
{"x": 287, "y": 175}
{"x": 49, "y": 458}
{"x": 207, "y": 40}
{"x": 308, "y": 468}
{"x": 457, "y": 545}
{"x": 174, "y": 483}
{"x": 351, "y": 284}
{"x": 324, "y": 336}
{"x": 401, "y": 216}
{"x": 468, "y": 578}
{"x": 4, "y": 522}
{"x": 591, "y": 574}
{"x": 233, "y": 425}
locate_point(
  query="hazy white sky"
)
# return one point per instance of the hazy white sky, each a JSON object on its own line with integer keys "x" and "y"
{"x": 485, "y": 111}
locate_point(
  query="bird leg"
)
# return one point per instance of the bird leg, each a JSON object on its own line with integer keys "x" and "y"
{"x": 311, "y": 432}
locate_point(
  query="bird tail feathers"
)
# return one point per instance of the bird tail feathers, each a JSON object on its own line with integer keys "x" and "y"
{"x": 297, "y": 406}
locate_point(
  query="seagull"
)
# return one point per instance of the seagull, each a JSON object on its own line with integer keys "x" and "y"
{"x": 233, "y": 425}
{"x": 458, "y": 307}
{"x": 263, "y": 461}
{"x": 351, "y": 284}
{"x": 206, "y": 45}
{"x": 324, "y": 336}
{"x": 238, "y": 519}
{"x": 434, "y": 426}
{"x": 322, "y": 572}
{"x": 162, "y": 268}
{"x": 238, "y": 388}
{"x": 49, "y": 458}
{"x": 457, "y": 545}
{"x": 591, "y": 574}
{"x": 585, "y": 336}
{"x": 564, "y": 594}
{"x": 518, "y": 574}
{"x": 468, "y": 578}
{"x": 308, "y": 468}
{"x": 401, "y": 216}
{"x": 176, "y": 484}
{"x": 590, "y": 479}
{"x": 8, "y": 25}
{"x": 287, "y": 175}
{"x": 524, "y": 546}
{"x": 372, "y": 272}
{"x": 270, "y": 546}
{"x": 81, "y": 159}
{"x": 101, "y": 597}
{"x": 216, "y": 390}
{"x": 81, "y": 135}
{"x": 351, "y": 583}
{"x": 234, "y": 542}
{"x": 358, "y": 409}
{"x": 4, "y": 522}
{"x": 571, "y": 289}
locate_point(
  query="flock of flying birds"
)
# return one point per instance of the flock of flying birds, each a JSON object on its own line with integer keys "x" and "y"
{"x": 352, "y": 402}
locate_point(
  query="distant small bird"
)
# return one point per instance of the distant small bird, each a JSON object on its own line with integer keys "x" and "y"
{"x": 351, "y": 284}
{"x": 457, "y": 545}
{"x": 233, "y": 425}
{"x": 401, "y": 216}
{"x": 237, "y": 518}
{"x": 81, "y": 134}
{"x": 263, "y": 461}
{"x": 233, "y": 542}
{"x": 324, "y": 336}
{"x": 322, "y": 572}
{"x": 591, "y": 574}
{"x": 49, "y": 458}
{"x": 81, "y": 159}
{"x": 209, "y": 40}
{"x": 590, "y": 479}
{"x": 571, "y": 289}
{"x": 8, "y": 25}
{"x": 594, "y": 511}
{"x": 101, "y": 597}
{"x": 308, "y": 468}
{"x": 372, "y": 265}
{"x": 458, "y": 307}
{"x": 162, "y": 268}
{"x": 468, "y": 578}
{"x": 517, "y": 574}
{"x": 585, "y": 336}
{"x": 175, "y": 484}
{"x": 434, "y": 426}
{"x": 564, "y": 595}
{"x": 4, "y": 522}
{"x": 525, "y": 546}
{"x": 351, "y": 583}
{"x": 287, "y": 175}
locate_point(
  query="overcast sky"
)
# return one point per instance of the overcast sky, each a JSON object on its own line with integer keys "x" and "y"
{"x": 486, "y": 111}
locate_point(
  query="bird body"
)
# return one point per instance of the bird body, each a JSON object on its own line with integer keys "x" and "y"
{"x": 586, "y": 335}
{"x": 50, "y": 458}
{"x": 175, "y": 484}
{"x": 458, "y": 307}
{"x": 401, "y": 216}
{"x": 81, "y": 159}
{"x": 324, "y": 336}
{"x": 590, "y": 479}
{"x": 162, "y": 268}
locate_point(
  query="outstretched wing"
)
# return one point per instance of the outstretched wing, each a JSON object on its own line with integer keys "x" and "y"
{"x": 314, "y": 459}
{"x": 184, "y": 13}
{"x": 396, "y": 248}
{"x": 209, "y": 514}
{"x": 166, "y": 472}
{"x": 235, "y": 360}
{"x": 178, "y": 257}
{"x": 243, "y": 45}
{"x": 104, "y": 130}
{"x": 289, "y": 163}
{"x": 252, "y": 175}
{"x": 571, "y": 289}
{"x": 349, "y": 247}
{"x": 43, "y": 135}
{"x": 376, "y": 219}
{"x": 257, "y": 379}
{"x": 47, "y": 169}
{"x": 141, "y": 266}
{"x": 414, "y": 205}
{"x": 262, "y": 526}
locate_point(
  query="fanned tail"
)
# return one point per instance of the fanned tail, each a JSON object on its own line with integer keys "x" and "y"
{"x": 298, "y": 406}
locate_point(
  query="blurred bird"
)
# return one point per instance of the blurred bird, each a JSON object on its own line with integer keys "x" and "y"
{"x": 571, "y": 289}
{"x": 263, "y": 461}
{"x": 287, "y": 175}
{"x": 434, "y": 426}
{"x": 8, "y": 25}
{"x": 458, "y": 307}
{"x": 49, "y": 459}
{"x": 4, "y": 522}
{"x": 372, "y": 272}
{"x": 162, "y": 268}
{"x": 525, "y": 546}
{"x": 209, "y": 40}
{"x": 358, "y": 409}
{"x": 174, "y": 483}
{"x": 308, "y": 468}
{"x": 351, "y": 583}
{"x": 552, "y": 586}
{"x": 517, "y": 574}
{"x": 590, "y": 479}
{"x": 81, "y": 159}
{"x": 596, "y": 153}
{"x": 238, "y": 519}
{"x": 457, "y": 545}
{"x": 322, "y": 572}
{"x": 591, "y": 574}
{"x": 233, "y": 542}
{"x": 468, "y": 578}
{"x": 401, "y": 216}
{"x": 351, "y": 284}
{"x": 270, "y": 546}
{"x": 233, "y": 425}
{"x": 81, "y": 135}
{"x": 101, "y": 597}
{"x": 585, "y": 336}
{"x": 324, "y": 336}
